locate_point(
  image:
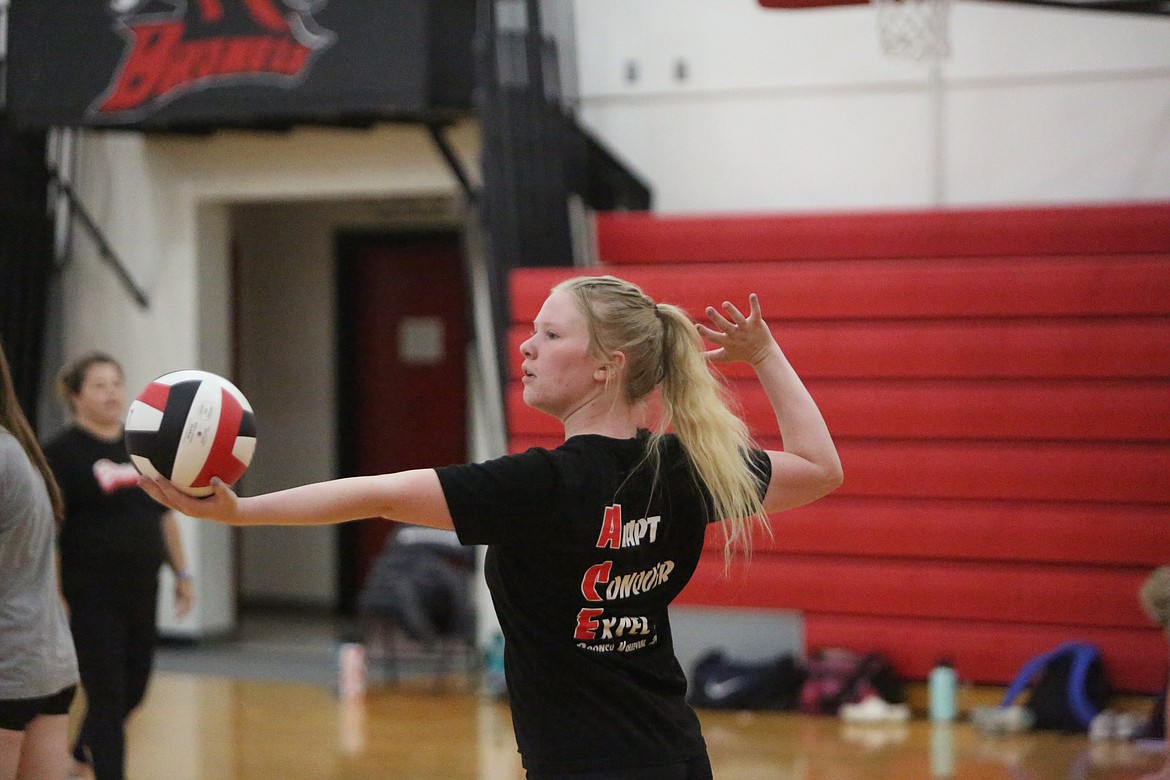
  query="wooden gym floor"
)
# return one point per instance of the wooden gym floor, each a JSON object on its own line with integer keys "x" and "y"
{"x": 196, "y": 727}
{"x": 262, "y": 707}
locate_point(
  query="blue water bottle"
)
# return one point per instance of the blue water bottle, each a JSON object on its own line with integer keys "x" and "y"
{"x": 943, "y": 686}
{"x": 494, "y": 685}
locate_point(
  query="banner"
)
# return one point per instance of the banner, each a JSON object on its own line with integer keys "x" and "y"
{"x": 193, "y": 64}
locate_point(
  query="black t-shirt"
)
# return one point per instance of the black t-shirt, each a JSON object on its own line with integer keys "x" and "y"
{"x": 110, "y": 522}
{"x": 583, "y": 559}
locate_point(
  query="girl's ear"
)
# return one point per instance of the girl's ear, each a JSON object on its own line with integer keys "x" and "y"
{"x": 616, "y": 364}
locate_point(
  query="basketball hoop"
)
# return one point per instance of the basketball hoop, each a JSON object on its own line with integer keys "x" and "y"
{"x": 914, "y": 29}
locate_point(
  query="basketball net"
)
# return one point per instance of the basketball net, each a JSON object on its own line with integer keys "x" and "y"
{"x": 914, "y": 29}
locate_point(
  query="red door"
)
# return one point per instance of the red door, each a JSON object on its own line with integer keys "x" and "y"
{"x": 401, "y": 378}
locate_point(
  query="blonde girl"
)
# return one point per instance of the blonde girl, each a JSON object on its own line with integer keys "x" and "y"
{"x": 589, "y": 543}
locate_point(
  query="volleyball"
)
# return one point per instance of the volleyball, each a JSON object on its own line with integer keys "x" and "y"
{"x": 190, "y": 426}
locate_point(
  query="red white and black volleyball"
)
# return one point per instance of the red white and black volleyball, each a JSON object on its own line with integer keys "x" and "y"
{"x": 190, "y": 426}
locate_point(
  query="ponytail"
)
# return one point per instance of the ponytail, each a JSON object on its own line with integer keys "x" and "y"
{"x": 715, "y": 438}
{"x": 663, "y": 350}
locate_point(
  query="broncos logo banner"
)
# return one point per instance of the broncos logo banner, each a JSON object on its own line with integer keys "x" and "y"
{"x": 188, "y": 64}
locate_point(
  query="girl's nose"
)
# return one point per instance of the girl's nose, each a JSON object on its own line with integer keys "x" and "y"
{"x": 525, "y": 349}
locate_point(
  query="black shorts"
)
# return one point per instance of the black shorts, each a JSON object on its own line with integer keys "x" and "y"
{"x": 698, "y": 768}
{"x": 16, "y": 714}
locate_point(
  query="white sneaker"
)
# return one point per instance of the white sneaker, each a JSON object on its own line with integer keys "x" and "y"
{"x": 874, "y": 709}
{"x": 1103, "y": 725}
{"x": 1002, "y": 720}
{"x": 1127, "y": 726}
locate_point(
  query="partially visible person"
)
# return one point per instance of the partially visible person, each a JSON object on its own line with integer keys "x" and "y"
{"x": 38, "y": 667}
{"x": 113, "y": 540}
{"x": 1155, "y": 597}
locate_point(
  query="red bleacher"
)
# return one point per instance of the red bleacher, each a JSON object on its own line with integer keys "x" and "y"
{"x": 998, "y": 383}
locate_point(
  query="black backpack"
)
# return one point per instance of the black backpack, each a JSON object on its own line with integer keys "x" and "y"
{"x": 721, "y": 683}
{"x": 1067, "y": 684}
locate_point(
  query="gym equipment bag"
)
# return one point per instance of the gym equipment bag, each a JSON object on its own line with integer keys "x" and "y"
{"x": 837, "y": 676}
{"x": 1068, "y": 687}
{"x": 721, "y": 683}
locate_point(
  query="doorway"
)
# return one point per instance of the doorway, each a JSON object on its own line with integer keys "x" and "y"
{"x": 401, "y": 373}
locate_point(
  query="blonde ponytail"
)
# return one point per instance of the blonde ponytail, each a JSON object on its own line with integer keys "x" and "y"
{"x": 716, "y": 439}
{"x": 662, "y": 349}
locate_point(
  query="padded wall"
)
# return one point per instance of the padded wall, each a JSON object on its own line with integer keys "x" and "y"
{"x": 998, "y": 384}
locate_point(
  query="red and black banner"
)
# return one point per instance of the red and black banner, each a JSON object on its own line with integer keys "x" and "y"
{"x": 159, "y": 64}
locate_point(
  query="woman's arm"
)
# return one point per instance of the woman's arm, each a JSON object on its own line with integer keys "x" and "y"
{"x": 184, "y": 589}
{"x": 808, "y": 467}
{"x": 407, "y": 496}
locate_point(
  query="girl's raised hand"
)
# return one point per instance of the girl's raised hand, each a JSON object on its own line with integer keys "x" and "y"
{"x": 738, "y": 338}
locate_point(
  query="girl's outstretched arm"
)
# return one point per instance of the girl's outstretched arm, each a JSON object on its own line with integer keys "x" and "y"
{"x": 407, "y": 496}
{"x": 809, "y": 466}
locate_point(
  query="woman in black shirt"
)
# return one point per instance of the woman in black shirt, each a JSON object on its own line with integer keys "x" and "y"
{"x": 589, "y": 543}
{"x": 113, "y": 540}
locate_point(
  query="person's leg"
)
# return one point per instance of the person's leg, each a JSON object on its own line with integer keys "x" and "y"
{"x": 10, "y": 748}
{"x": 141, "y": 609}
{"x": 34, "y": 737}
{"x": 99, "y": 636}
{"x": 46, "y": 749}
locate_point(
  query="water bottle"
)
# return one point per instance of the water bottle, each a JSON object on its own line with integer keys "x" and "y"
{"x": 943, "y": 688}
{"x": 494, "y": 686}
{"x": 351, "y": 670}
